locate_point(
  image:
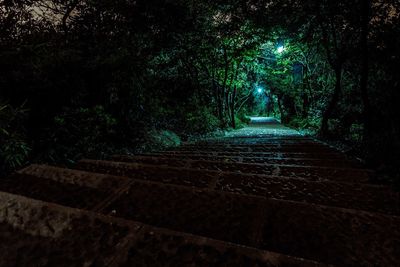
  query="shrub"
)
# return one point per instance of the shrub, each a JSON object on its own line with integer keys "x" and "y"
{"x": 305, "y": 123}
{"x": 201, "y": 121}
{"x": 14, "y": 149}
{"x": 160, "y": 139}
{"x": 81, "y": 132}
{"x": 244, "y": 119}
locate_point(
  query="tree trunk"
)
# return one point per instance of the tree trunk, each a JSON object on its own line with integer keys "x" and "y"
{"x": 233, "y": 97}
{"x": 281, "y": 108}
{"x": 366, "y": 5}
{"x": 333, "y": 103}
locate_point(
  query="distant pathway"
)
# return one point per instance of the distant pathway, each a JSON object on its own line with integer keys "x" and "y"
{"x": 260, "y": 126}
{"x": 263, "y": 195}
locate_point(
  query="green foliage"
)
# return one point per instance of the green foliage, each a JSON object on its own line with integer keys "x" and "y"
{"x": 160, "y": 139}
{"x": 239, "y": 123}
{"x": 311, "y": 124}
{"x": 89, "y": 132}
{"x": 201, "y": 121}
{"x": 355, "y": 135}
{"x": 243, "y": 118}
{"x": 14, "y": 149}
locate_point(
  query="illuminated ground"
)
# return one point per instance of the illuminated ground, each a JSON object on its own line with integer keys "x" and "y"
{"x": 261, "y": 126}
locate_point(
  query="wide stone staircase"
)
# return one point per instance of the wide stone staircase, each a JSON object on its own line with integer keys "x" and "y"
{"x": 261, "y": 196}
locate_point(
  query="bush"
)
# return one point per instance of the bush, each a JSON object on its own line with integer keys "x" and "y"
{"x": 200, "y": 121}
{"x": 356, "y": 133}
{"x": 312, "y": 124}
{"x": 160, "y": 139}
{"x": 88, "y": 132}
{"x": 14, "y": 149}
{"x": 243, "y": 118}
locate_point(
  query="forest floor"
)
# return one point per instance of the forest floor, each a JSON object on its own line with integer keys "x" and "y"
{"x": 263, "y": 195}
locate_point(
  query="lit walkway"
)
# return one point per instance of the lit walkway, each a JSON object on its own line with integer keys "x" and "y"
{"x": 261, "y": 126}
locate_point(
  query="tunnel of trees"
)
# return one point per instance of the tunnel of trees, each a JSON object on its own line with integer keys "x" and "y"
{"x": 89, "y": 78}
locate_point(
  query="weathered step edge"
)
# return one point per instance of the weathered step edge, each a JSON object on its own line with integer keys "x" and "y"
{"x": 251, "y": 160}
{"x": 39, "y": 218}
{"x": 323, "y": 215}
{"x": 98, "y": 181}
{"x": 191, "y": 163}
{"x": 313, "y": 174}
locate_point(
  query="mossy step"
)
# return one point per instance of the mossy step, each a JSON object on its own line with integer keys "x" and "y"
{"x": 276, "y": 154}
{"x": 102, "y": 182}
{"x": 254, "y": 141}
{"x": 204, "y": 171}
{"x": 308, "y": 231}
{"x": 354, "y": 196}
{"x": 242, "y": 167}
{"x": 262, "y": 148}
{"x": 34, "y": 233}
{"x": 272, "y": 144}
{"x": 339, "y": 163}
{"x": 53, "y": 191}
{"x": 258, "y": 138}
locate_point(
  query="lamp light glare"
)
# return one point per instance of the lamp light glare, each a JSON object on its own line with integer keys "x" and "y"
{"x": 281, "y": 49}
{"x": 260, "y": 90}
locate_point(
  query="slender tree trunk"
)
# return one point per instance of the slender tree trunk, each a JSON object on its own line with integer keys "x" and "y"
{"x": 281, "y": 108}
{"x": 224, "y": 85}
{"x": 366, "y": 5}
{"x": 306, "y": 104}
{"x": 333, "y": 102}
{"x": 306, "y": 97}
{"x": 233, "y": 97}
{"x": 217, "y": 97}
{"x": 228, "y": 105}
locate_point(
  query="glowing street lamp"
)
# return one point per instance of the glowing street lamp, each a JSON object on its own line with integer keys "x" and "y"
{"x": 260, "y": 90}
{"x": 280, "y": 49}
{"x": 280, "y": 46}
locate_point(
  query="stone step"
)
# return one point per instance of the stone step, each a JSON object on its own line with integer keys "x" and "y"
{"x": 258, "y": 160}
{"x": 239, "y": 218}
{"x": 283, "y": 226}
{"x": 331, "y": 235}
{"x": 205, "y": 175}
{"x": 36, "y": 233}
{"x": 275, "y": 154}
{"x": 286, "y": 227}
{"x": 167, "y": 175}
{"x": 354, "y": 196}
{"x": 372, "y": 198}
{"x": 229, "y": 165}
{"x": 271, "y": 144}
{"x": 256, "y": 148}
{"x": 249, "y": 141}
{"x": 101, "y": 182}
{"x": 261, "y": 138}
{"x": 218, "y": 215}
{"x": 50, "y": 190}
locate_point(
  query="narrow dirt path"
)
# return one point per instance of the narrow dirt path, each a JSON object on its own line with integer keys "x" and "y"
{"x": 263, "y": 195}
